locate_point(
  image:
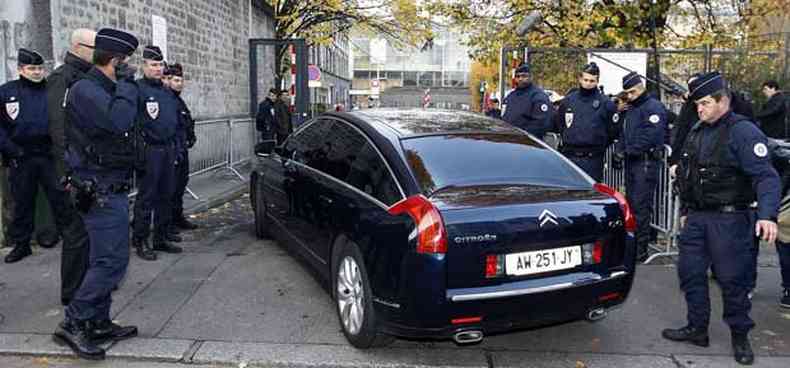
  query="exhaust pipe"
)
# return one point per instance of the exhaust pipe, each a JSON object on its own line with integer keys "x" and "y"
{"x": 468, "y": 337}
{"x": 596, "y": 314}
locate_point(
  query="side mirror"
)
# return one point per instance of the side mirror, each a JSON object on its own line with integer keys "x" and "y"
{"x": 265, "y": 148}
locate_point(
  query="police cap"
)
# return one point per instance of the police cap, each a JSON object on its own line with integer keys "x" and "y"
{"x": 631, "y": 79}
{"x": 705, "y": 85}
{"x": 523, "y": 68}
{"x": 152, "y": 52}
{"x": 113, "y": 40}
{"x": 592, "y": 69}
{"x": 28, "y": 57}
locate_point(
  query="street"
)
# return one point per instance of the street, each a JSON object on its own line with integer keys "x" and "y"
{"x": 233, "y": 300}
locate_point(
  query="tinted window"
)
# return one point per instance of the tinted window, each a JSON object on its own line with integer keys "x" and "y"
{"x": 370, "y": 175}
{"x": 310, "y": 146}
{"x": 343, "y": 143}
{"x": 471, "y": 159}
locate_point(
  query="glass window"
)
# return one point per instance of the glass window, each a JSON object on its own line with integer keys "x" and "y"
{"x": 473, "y": 159}
{"x": 343, "y": 144}
{"x": 370, "y": 175}
{"x": 410, "y": 78}
{"x": 309, "y": 145}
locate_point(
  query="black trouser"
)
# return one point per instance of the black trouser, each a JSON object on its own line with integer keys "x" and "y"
{"x": 76, "y": 253}
{"x": 24, "y": 181}
{"x": 182, "y": 178}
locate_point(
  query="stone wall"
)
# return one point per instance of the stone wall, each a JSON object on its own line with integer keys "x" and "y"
{"x": 209, "y": 37}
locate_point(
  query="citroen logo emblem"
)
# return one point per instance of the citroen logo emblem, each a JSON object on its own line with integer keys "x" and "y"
{"x": 547, "y": 216}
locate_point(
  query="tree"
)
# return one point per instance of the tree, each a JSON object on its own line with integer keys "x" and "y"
{"x": 320, "y": 21}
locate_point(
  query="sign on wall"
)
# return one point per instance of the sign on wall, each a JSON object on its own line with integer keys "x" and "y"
{"x": 612, "y": 75}
{"x": 159, "y": 36}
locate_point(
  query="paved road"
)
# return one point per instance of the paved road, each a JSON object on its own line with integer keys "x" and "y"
{"x": 231, "y": 299}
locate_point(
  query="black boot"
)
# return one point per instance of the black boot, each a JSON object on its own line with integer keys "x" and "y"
{"x": 694, "y": 335}
{"x": 75, "y": 334}
{"x": 163, "y": 245}
{"x": 172, "y": 237}
{"x": 19, "y": 252}
{"x": 143, "y": 249}
{"x": 105, "y": 330}
{"x": 742, "y": 349}
{"x": 185, "y": 224}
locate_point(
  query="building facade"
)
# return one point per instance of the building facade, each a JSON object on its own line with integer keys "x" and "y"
{"x": 333, "y": 88}
{"x": 387, "y": 76}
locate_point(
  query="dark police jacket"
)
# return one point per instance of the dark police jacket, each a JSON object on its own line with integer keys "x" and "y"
{"x": 159, "y": 116}
{"x": 264, "y": 119}
{"x": 24, "y": 128}
{"x": 72, "y": 70}
{"x": 644, "y": 127}
{"x": 728, "y": 164}
{"x": 585, "y": 119}
{"x": 494, "y": 113}
{"x": 282, "y": 118}
{"x": 185, "y": 132}
{"x": 528, "y": 109}
{"x": 101, "y": 112}
{"x": 772, "y": 116}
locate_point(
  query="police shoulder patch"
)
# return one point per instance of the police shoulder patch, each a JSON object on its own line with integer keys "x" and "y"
{"x": 544, "y": 107}
{"x": 654, "y": 119}
{"x": 760, "y": 150}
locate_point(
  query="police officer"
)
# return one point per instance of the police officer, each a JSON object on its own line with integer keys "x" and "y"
{"x": 75, "y": 253}
{"x": 641, "y": 147}
{"x": 101, "y": 110}
{"x": 585, "y": 121}
{"x": 186, "y": 140}
{"x": 725, "y": 166}
{"x": 282, "y": 118}
{"x": 26, "y": 149}
{"x": 264, "y": 119}
{"x": 158, "y": 120}
{"x": 527, "y": 107}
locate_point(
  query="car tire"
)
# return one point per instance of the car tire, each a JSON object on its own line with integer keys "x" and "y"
{"x": 352, "y": 295}
{"x": 259, "y": 206}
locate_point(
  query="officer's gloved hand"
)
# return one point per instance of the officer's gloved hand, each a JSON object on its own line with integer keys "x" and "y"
{"x": 617, "y": 161}
{"x": 125, "y": 72}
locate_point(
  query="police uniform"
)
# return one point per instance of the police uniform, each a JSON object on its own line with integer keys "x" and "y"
{"x": 185, "y": 134}
{"x": 641, "y": 144}
{"x": 264, "y": 118}
{"x": 528, "y": 108}
{"x": 724, "y": 167}
{"x": 585, "y": 119}
{"x": 26, "y": 148}
{"x": 158, "y": 121}
{"x": 100, "y": 155}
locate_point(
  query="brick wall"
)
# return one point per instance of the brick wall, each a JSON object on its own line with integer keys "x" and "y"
{"x": 209, "y": 37}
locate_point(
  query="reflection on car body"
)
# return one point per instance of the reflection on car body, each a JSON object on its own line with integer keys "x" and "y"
{"x": 443, "y": 224}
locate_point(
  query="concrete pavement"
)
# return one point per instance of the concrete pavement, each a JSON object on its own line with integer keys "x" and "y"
{"x": 233, "y": 300}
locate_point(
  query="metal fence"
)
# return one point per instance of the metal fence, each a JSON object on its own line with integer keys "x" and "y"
{"x": 666, "y": 206}
{"x": 221, "y": 144}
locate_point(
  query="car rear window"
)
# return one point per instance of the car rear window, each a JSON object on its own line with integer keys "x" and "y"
{"x": 442, "y": 161}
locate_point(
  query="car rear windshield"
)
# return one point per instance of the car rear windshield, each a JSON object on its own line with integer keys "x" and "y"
{"x": 445, "y": 161}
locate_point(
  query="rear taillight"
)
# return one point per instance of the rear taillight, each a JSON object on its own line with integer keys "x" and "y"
{"x": 592, "y": 253}
{"x": 495, "y": 265}
{"x": 628, "y": 216}
{"x": 431, "y": 236}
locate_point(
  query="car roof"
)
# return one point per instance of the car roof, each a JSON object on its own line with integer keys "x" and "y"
{"x": 416, "y": 121}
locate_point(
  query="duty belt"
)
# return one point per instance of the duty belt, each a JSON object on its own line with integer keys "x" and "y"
{"x": 730, "y": 208}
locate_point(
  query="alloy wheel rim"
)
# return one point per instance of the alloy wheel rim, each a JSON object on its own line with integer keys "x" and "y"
{"x": 350, "y": 295}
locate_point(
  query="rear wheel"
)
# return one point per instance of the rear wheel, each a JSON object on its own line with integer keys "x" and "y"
{"x": 259, "y": 206}
{"x": 353, "y": 299}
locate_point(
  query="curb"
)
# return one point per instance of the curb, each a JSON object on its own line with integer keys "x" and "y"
{"x": 236, "y": 191}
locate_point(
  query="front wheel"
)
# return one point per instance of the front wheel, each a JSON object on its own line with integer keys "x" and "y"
{"x": 354, "y": 299}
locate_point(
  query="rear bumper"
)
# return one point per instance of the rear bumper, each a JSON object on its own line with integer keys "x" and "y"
{"x": 519, "y": 305}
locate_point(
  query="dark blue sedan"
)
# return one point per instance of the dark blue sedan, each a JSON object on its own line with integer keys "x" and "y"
{"x": 443, "y": 224}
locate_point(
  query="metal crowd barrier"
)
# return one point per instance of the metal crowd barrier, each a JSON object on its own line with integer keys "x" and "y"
{"x": 221, "y": 144}
{"x": 666, "y": 206}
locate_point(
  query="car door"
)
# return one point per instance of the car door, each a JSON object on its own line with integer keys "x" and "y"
{"x": 302, "y": 158}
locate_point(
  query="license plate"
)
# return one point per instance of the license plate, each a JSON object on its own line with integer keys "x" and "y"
{"x": 547, "y": 260}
